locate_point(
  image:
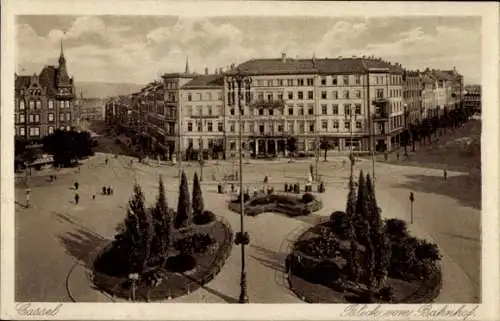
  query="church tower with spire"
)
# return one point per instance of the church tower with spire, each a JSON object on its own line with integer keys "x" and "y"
{"x": 186, "y": 71}
{"x": 63, "y": 79}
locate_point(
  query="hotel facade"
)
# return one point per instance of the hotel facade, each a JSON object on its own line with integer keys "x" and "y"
{"x": 349, "y": 102}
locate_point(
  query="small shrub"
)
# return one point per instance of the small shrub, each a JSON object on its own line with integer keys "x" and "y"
{"x": 319, "y": 247}
{"x": 198, "y": 243}
{"x": 339, "y": 224}
{"x": 386, "y": 294}
{"x": 180, "y": 263}
{"x": 204, "y": 218}
{"x": 307, "y": 198}
{"x": 396, "y": 229}
{"x": 427, "y": 250}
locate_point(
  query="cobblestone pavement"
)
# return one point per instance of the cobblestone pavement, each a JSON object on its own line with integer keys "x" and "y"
{"x": 54, "y": 236}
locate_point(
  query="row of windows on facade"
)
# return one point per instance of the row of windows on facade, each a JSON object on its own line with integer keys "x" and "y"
{"x": 35, "y": 118}
{"x": 199, "y": 96}
{"x": 299, "y": 110}
{"x": 325, "y": 81}
{"x": 300, "y": 95}
{"x": 37, "y": 104}
{"x": 35, "y": 131}
{"x": 263, "y": 128}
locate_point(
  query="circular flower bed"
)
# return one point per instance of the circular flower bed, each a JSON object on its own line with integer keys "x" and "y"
{"x": 289, "y": 204}
{"x": 318, "y": 269}
{"x": 195, "y": 258}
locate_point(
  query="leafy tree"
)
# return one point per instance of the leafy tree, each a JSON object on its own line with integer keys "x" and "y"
{"x": 291, "y": 144}
{"x": 66, "y": 146}
{"x": 184, "y": 211}
{"x": 198, "y": 206}
{"x": 162, "y": 219}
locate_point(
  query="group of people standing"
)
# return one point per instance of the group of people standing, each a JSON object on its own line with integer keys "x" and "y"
{"x": 106, "y": 190}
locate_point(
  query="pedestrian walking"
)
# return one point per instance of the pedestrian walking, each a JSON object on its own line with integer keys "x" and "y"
{"x": 104, "y": 190}
{"x": 108, "y": 190}
{"x": 106, "y": 161}
{"x": 76, "y": 186}
{"x": 93, "y": 196}
{"x": 397, "y": 155}
{"x": 28, "y": 196}
{"x": 445, "y": 174}
{"x": 77, "y": 198}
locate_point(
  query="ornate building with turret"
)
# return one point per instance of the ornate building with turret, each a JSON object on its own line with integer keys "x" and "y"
{"x": 44, "y": 102}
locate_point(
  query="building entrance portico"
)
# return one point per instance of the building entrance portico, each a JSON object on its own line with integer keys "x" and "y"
{"x": 268, "y": 146}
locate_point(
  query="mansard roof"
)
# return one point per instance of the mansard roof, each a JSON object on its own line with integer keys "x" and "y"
{"x": 290, "y": 66}
{"x": 205, "y": 82}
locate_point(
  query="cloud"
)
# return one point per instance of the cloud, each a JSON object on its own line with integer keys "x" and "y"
{"x": 132, "y": 50}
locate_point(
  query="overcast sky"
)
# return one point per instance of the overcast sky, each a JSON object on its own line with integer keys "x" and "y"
{"x": 138, "y": 49}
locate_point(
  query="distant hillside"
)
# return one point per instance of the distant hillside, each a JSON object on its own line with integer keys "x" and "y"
{"x": 105, "y": 89}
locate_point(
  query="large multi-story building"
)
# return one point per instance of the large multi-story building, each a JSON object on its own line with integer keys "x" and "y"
{"x": 44, "y": 102}
{"x": 314, "y": 99}
{"x": 350, "y": 102}
{"x": 412, "y": 96}
{"x": 472, "y": 97}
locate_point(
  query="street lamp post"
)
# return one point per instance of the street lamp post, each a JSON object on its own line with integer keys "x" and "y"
{"x": 351, "y": 156}
{"x": 406, "y": 129}
{"x": 412, "y": 199}
{"x": 242, "y": 238}
{"x": 133, "y": 277}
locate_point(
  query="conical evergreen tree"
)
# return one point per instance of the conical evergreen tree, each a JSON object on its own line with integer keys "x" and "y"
{"x": 380, "y": 242}
{"x": 374, "y": 210}
{"x": 361, "y": 211}
{"x": 198, "y": 205}
{"x": 352, "y": 263}
{"x": 139, "y": 230}
{"x": 183, "y": 216}
{"x": 162, "y": 224}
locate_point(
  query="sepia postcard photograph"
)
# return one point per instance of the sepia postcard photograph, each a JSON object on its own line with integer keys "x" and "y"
{"x": 297, "y": 160}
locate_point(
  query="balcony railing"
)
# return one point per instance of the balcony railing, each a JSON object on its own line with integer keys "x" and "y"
{"x": 268, "y": 104}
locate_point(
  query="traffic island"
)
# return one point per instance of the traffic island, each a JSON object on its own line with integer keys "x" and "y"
{"x": 288, "y": 204}
{"x": 197, "y": 257}
{"x": 159, "y": 253}
{"x": 355, "y": 257}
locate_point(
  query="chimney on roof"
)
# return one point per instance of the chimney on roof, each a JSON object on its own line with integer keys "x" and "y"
{"x": 206, "y": 71}
{"x": 283, "y": 57}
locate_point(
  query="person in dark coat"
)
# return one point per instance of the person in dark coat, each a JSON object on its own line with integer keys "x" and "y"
{"x": 76, "y": 185}
{"x": 104, "y": 190}
{"x": 77, "y": 198}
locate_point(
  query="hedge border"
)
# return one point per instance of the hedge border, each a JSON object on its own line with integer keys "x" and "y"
{"x": 191, "y": 284}
{"x": 427, "y": 292}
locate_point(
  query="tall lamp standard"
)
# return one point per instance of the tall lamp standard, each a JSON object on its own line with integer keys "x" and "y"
{"x": 406, "y": 128}
{"x": 351, "y": 156}
{"x": 237, "y": 82}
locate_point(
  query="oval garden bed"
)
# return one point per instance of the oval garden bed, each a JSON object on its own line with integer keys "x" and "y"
{"x": 198, "y": 254}
{"x": 356, "y": 257}
{"x": 288, "y": 204}
{"x": 318, "y": 272}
